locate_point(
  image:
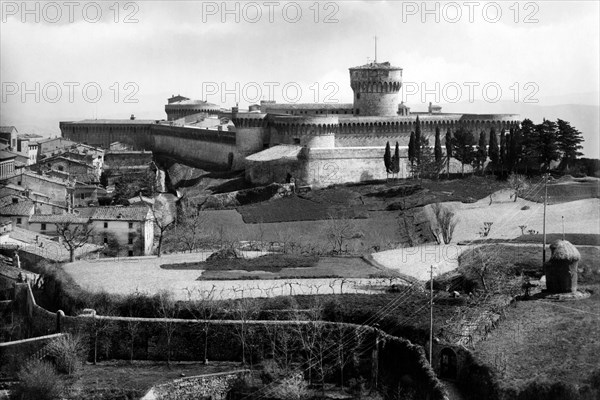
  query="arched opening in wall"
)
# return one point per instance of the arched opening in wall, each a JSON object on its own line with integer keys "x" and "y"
{"x": 447, "y": 363}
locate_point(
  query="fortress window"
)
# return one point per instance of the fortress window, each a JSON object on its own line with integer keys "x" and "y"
{"x": 357, "y": 111}
{"x": 357, "y": 96}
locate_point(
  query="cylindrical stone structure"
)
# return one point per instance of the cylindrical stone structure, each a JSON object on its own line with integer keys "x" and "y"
{"x": 376, "y": 88}
{"x": 561, "y": 269}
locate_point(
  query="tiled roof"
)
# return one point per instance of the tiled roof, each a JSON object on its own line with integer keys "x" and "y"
{"x": 120, "y": 213}
{"x": 45, "y": 247}
{"x": 22, "y": 208}
{"x": 7, "y": 155}
{"x": 7, "y": 129}
{"x": 58, "y": 218}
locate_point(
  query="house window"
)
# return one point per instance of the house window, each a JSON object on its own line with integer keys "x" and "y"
{"x": 43, "y": 227}
{"x": 105, "y": 225}
{"x": 130, "y": 253}
{"x": 105, "y": 240}
{"x": 18, "y": 221}
{"x": 15, "y": 200}
{"x": 296, "y": 140}
{"x": 357, "y": 96}
{"x": 19, "y": 183}
{"x": 131, "y": 225}
{"x": 130, "y": 240}
{"x": 82, "y": 196}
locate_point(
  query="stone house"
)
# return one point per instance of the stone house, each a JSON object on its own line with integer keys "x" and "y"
{"x": 19, "y": 212}
{"x": 7, "y": 163}
{"x": 124, "y": 231}
{"x": 59, "y": 191}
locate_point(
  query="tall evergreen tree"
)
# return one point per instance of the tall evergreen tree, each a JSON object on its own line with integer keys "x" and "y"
{"x": 502, "y": 158}
{"x": 462, "y": 147}
{"x": 411, "y": 148}
{"x": 547, "y": 145}
{"x": 569, "y": 143}
{"x": 438, "y": 146}
{"x": 417, "y": 140}
{"x": 514, "y": 149}
{"x": 481, "y": 155}
{"x": 387, "y": 158}
{"x": 448, "y": 150}
{"x": 396, "y": 160}
{"x": 493, "y": 150}
{"x": 528, "y": 140}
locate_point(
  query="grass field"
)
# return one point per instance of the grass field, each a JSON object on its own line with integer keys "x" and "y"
{"x": 325, "y": 267}
{"x": 528, "y": 259}
{"x": 553, "y": 341}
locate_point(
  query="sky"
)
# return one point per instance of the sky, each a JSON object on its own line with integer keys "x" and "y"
{"x": 107, "y": 59}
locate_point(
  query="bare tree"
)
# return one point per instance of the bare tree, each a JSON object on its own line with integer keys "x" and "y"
{"x": 519, "y": 184}
{"x": 73, "y": 236}
{"x": 101, "y": 329}
{"x": 203, "y": 306}
{"x": 166, "y": 311}
{"x": 190, "y": 231}
{"x": 245, "y": 310}
{"x": 133, "y": 326}
{"x": 339, "y": 231}
{"x": 164, "y": 218}
{"x": 446, "y": 221}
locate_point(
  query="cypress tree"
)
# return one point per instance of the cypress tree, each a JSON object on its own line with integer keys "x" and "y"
{"x": 417, "y": 150}
{"x": 396, "y": 159}
{"x": 411, "y": 148}
{"x": 387, "y": 158}
{"x": 502, "y": 152}
{"x": 438, "y": 146}
{"x": 481, "y": 154}
{"x": 493, "y": 150}
{"x": 448, "y": 150}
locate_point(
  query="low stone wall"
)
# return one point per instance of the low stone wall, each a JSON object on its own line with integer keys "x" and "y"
{"x": 211, "y": 386}
{"x": 14, "y": 354}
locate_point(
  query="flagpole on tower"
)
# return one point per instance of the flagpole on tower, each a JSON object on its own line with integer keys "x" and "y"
{"x": 375, "y": 49}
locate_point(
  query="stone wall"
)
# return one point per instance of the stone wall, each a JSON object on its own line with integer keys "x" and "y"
{"x": 221, "y": 151}
{"x": 210, "y": 386}
{"x": 367, "y": 353}
{"x": 334, "y": 166}
{"x": 13, "y": 354}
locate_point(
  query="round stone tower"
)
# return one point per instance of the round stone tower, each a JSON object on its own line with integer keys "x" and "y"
{"x": 376, "y": 89}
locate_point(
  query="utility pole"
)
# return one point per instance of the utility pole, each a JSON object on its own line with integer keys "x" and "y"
{"x": 431, "y": 316}
{"x": 545, "y": 201}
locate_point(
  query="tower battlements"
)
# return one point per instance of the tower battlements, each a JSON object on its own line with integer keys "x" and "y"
{"x": 376, "y": 88}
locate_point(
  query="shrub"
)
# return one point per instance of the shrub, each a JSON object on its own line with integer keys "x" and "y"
{"x": 68, "y": 353}
{"x": 525, "y": 208}
{"x": 38, "y": 380}
{"x": 292, "y": 388}
{"x": 445, "y": 220}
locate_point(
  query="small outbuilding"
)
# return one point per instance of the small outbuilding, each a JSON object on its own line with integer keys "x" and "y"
{"x": 561, "y": 269}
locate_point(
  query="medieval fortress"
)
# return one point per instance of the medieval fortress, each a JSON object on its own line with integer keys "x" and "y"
{"x": 317, "y": 144}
